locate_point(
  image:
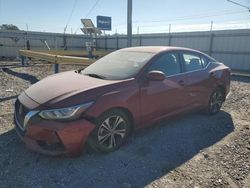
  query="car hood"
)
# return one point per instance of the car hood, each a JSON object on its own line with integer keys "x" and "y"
{"x": 68, "y": 89}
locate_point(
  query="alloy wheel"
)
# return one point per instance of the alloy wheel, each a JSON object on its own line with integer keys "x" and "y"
{"x": 112, "y": 132}
{"x": 216, "y": 101}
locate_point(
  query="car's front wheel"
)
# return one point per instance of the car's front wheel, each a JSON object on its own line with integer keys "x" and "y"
{"x": 112, "y": 129}
{"x": 215, "y": 102}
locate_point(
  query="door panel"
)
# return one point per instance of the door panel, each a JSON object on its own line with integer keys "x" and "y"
{"x": 197, "y": 88}
{"x": 198, "y": 79}
{"x": 162, "y": 98}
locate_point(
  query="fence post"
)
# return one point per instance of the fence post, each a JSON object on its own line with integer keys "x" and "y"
{"x": 117, "y": 42}
{"x": 169, "y": 39}
{"x": 22, "y": 60}
{"x": 56, "y": 68}
{"x": 64, "y": 42}
{"x": 210, "y": 51}
{"x": 140, "y": 40}
{"x": 105, "y": 43}
{"x": 90, "y": 55}
{"x": 169, "y": 35}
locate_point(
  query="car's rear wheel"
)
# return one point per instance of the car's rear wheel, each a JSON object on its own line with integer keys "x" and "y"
{"x": 215, "y": 101}
{"x": 112, "y": 129}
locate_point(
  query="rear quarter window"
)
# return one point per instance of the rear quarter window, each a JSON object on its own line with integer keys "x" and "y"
{"x": 204, "y": 61}
{"x": 210, "y": 60}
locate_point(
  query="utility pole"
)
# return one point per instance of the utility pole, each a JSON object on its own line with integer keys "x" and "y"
{"x": 129, "y": 24}
{"x": 211, "y": 26}
{"x": 64, "y": 38}
{"x": 0, "y": 8}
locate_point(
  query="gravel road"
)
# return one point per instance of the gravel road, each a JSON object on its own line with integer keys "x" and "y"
{"x": 193, "y": 150}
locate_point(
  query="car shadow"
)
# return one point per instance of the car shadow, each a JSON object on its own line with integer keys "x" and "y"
{"x": 30, "y": 78}
{"x": 148, "y": 155}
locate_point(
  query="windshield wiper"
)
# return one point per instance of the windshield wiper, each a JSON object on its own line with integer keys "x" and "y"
{"x": 95, "y": 76}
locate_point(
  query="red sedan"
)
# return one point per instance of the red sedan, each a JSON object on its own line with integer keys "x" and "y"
{"x": 126, "y": 90}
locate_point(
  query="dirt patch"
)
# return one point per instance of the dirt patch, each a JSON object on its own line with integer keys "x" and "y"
{"x": 193, "y": 150}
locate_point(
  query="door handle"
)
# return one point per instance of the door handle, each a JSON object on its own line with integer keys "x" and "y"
{"x": 181, "y": 82}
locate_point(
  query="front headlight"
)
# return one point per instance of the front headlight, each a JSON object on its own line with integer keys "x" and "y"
{"x": 65, "y": 113}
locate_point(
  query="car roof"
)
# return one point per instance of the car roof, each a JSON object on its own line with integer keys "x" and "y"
{"x": 156, "y": 49}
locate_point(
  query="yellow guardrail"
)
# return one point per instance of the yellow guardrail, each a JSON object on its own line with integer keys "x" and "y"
{"x": 56, "y": 59}
{"x": 79, "y": 53}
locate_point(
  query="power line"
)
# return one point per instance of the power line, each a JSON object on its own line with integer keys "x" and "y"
{"x": 191, "y": 17}
{"x": 239, "y": 4}
{"x": 197, "y": 16}
{"x": 69, "y": 18}
{"x": 92, "y": 8}
{"x": 71, "y": 13}
{"x": 89, "y": 12}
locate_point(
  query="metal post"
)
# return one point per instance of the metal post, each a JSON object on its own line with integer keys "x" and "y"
{"x": 22, "y": 60}
{"x": 90, "y": 55}
{"x": 129, "y": 23}
{"x": 169, "y": 39}
{"x": 138, "y": 37}
{"x": 211, "y": 40}
{"x": 64, "y": 42}
{"x": 56, "y": 66}
{"x": 211, "y": 26}
{"x": 105, "y": 40}
{"x": 210, "y": 51}
{"x": 169, "y": 35}
{"x": 25, "y": 60}
{"x": 117, "y": 42}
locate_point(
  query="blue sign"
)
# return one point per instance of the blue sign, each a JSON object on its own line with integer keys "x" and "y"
{"x": 103, "y": 23}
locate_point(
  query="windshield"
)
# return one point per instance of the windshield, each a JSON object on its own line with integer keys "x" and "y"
{"x": 118, "y": 65}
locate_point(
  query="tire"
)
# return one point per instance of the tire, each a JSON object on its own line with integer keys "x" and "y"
{"x": 112, "y": 130}
{"x": 215, "y": 102}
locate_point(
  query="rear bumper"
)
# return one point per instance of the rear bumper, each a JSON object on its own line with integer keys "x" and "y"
{"x": 56, "y": 138}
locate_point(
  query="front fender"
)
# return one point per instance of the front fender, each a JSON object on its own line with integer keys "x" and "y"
{"x": 125, "y": 97}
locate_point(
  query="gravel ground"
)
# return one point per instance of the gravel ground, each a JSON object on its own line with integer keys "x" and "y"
{"x": 193, "y": 150}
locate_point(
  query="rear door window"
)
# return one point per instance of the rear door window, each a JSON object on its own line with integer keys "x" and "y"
{"x": 192, "y": 62}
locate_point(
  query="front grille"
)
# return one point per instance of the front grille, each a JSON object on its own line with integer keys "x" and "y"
{"x": 20, "y": 113}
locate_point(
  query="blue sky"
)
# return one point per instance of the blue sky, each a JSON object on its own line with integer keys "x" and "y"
{"x": 149, "y": 16}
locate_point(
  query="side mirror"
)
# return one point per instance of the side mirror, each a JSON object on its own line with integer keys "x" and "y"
{"x": 156, "y": 76}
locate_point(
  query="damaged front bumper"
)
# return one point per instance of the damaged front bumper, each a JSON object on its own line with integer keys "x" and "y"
{"x": 54, "y": 137}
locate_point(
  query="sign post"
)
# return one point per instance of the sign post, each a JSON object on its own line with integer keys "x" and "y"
{"x": 90, "y": 30}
